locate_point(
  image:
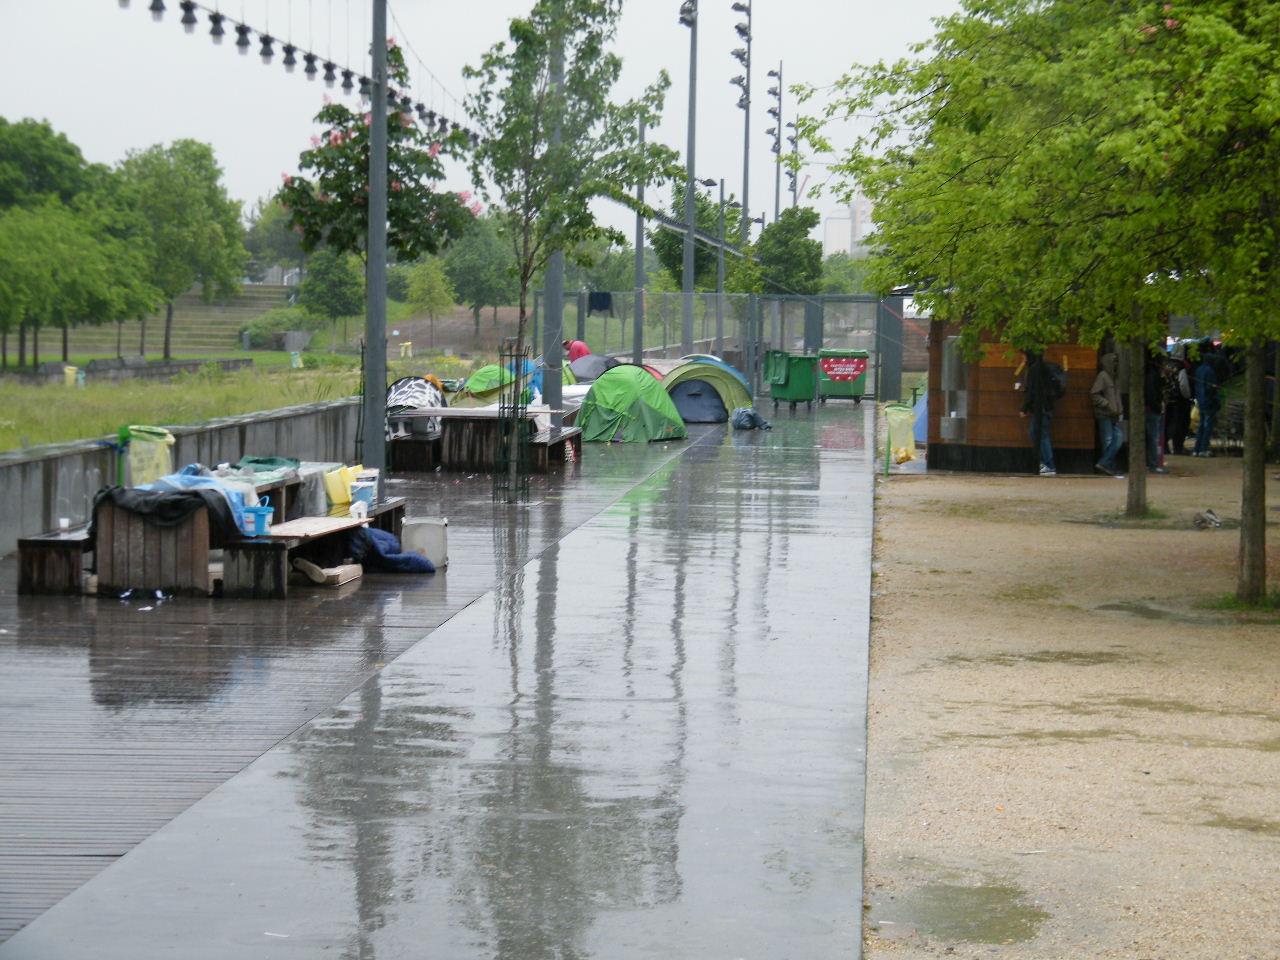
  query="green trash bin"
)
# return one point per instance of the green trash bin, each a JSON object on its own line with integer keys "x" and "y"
{"x": 791, "y": 377}
{"x": 842, "y": 373}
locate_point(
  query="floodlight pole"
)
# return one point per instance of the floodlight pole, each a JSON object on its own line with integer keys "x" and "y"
{"x": 689, "y": 17}
{"x": 373, "y": 445}
{"x": 637, "y": 328}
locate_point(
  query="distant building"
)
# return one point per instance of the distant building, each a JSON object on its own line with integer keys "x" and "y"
{"x": 848, "y": 233}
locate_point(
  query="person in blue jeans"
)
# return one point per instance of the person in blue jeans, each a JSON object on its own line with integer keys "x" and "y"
{"x": 1208, "y": 398}
{"x": 1039, "y": 406}
{"x": 1108, "y": 413}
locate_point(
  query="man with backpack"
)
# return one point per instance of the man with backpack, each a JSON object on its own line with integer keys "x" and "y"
{"x": 1045, "y": 384}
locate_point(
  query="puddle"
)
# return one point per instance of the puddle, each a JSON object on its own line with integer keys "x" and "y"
{"x": 1270, "y": 828}
{"x": 1075, "y": 658}
{"x": 1148, "y": 612}
{"x": 986, "y": 914}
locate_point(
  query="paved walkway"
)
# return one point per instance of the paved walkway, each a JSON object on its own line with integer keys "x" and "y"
{"x": 643, "y": 736}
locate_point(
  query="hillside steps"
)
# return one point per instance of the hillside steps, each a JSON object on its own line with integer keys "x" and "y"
{"x": 197, "y": 326}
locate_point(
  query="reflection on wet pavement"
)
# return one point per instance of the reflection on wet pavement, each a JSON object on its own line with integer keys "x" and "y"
{"x": 646, "y": 739}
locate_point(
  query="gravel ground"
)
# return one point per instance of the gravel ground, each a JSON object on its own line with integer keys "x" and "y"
{"x": 1071, "y": 755}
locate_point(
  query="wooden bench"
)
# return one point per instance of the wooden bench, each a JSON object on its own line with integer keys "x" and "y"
{"x": 131, "y": 553}
{"x": 258, "y": 567}
{"x": 53, "y": 562}
{"x": 471, "y": 440}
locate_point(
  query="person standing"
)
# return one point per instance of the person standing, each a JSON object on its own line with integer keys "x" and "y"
{"x": 1038, "y": 405}
{"x": 1153, "y": 409}
{"x": 1179, "y": 400}
{"x": 1208, "y": 398}
{"x": 1108, "y": 413}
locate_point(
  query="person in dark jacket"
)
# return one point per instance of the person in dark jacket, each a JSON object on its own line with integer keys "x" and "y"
{"x": 1208, "y": 398}
{"x": 1153, "y": 408}
{"x": 1179, "y": 401}
{"x": 1038, "y": 405}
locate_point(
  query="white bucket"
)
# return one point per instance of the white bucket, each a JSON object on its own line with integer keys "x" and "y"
{"x": 428, "y": 536}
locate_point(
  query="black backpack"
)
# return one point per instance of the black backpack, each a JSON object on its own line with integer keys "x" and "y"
{"x": 1055, "y": 381}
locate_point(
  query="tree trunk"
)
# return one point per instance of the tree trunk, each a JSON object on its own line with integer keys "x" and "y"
{"x": 1136, "y": 505}
{"x": 22, "y": 345}
{"x": 35, "y": 346}
{"x": 495, "y": 314}
{"x": 119, "y": 338}
{"x": 475, "y": 318}
{"x": 1251, "y": 578}
{"x": 4, "y": 350}
{"x": 142, "y": 337}
{"x": 168, "y": 329}
{"x": 65, "y": 337}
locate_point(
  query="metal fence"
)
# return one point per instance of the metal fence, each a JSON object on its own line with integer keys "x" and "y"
{"x": 740, "y": 328}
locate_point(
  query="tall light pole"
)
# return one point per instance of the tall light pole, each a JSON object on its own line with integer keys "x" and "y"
{"x": 791, "y": 173}
{"x": 689, "y": 17}
{"x": 776, "y": 132}
{"x": 719, "y": 346}
{"x": 373, "y": 438}
{"x": 744, "y": 104}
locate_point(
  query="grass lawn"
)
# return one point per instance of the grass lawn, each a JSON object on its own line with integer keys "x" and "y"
{"x": 32, "y": 416}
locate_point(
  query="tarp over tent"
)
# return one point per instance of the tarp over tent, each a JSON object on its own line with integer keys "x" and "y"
{"x": 411, "y": 393}
{"x": 706, "y": 390}
{"x": 483, "y": 386}
{"x": 590, "y": 367}
{"x": 626, "y": 403}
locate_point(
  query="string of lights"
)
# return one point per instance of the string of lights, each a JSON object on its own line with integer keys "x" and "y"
{"x": 313, "y": 64}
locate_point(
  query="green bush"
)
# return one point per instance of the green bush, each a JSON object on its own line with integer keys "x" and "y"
{"x": 262, "y": 330}
{"x": 330, "y": 361}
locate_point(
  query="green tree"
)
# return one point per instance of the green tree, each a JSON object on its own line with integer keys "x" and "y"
{"x": 844, "y": 275}
{"x": 329, "y": 201}
{"x": 789, "y": 262}
{"x": 669, "y": 244}
{"x": 37, "y": 162}
{"x": 334, "y": 287}
{"x": 1089, "y": 169}
{"x": 193, "y": 229}
{"x": 272, "y": 240}
{"x": 554, "y": 142}
{"x": 430, "y": 290}
{"x": 480, "y": 267}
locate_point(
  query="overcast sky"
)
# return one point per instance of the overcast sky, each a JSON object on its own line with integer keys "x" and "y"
{"x": 112, "y": 80}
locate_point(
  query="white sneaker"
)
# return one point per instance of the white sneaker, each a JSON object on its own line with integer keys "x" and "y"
{"x": 1047, "y": 471}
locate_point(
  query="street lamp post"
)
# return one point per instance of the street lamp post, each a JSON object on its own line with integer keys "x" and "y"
{"x": 689, "y": 17}
{"x": 743, "y": 56}
{"x": 719, "y": 347}
{"x": 791, "y": 173}
{"x": 776, "y": 132}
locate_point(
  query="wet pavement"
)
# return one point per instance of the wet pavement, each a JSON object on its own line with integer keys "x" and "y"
{"x": 629, "y": 721}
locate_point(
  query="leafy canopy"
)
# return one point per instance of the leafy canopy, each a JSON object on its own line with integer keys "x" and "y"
{"x": 329, "y": 201}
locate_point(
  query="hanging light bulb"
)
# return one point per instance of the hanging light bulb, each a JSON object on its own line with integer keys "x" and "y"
{"x": 422, "y": 112}
{"x": 348, "y": 83}
{"x": 365, "y": 88}
{"x": 216, "y": 31}
{"x": 242, "y": 38}
{"x": 290, "y": 61}
{"x": 330, "y": 77}
{"x": 157, "y": 10}
{"x": 310, "y": 68}
{"x": 189, "y": 20}
{"x": 266, "y": 53}
{"x": 406, "y": 103}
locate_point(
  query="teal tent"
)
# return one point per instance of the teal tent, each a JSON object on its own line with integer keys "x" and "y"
{"x": 628, "y": 404}
{"x": 706, "y": 390}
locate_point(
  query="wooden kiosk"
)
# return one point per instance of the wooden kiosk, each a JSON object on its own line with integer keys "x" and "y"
{"x": 973, "y": 408}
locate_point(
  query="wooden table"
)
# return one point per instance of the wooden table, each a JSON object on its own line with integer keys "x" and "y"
{"x": 471, "y": 441}
{"x": 259, "y": 566}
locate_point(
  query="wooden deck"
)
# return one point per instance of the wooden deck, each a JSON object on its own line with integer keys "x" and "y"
{"x": 116, "y": 716}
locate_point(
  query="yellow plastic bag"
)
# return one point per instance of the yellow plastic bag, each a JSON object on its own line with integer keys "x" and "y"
{"x": 150, "y": 453}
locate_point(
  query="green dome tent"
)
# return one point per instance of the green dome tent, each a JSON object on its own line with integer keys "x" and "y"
{"x": 706, "y": 390}
{"x": 628, "y": 404}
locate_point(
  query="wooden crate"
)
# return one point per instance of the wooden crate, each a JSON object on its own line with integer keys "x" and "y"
{"x": 133, "y": 554}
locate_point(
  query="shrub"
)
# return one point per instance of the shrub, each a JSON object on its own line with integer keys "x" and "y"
{"x": 262, "y": 330}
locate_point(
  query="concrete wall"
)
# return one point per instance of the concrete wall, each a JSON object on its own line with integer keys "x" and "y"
{"x": 44, "y": 483}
